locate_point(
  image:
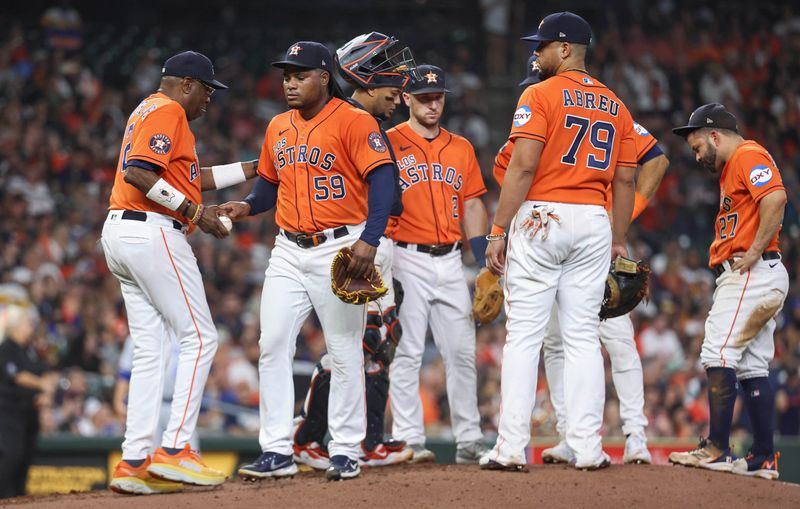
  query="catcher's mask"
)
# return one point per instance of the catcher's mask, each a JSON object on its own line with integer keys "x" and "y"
{"x": 376, "y": 60}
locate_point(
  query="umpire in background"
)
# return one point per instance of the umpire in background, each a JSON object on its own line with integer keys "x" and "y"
{"x": 23, "y": 389}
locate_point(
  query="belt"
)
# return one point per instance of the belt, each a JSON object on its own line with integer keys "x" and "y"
{"x": 307, "y": 240}
{"x": 138, "y": 215}
{"x": 431, "y": 249}
{"x": 719, "y": 269}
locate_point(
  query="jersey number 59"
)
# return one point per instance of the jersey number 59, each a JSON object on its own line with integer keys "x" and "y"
{"x": 326, "y": 188}
{"x": 601, "y": 136}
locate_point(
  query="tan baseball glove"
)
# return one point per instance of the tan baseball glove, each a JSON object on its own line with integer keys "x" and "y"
{"x": 488, "y": 299}
{"x": 354, "y": 290}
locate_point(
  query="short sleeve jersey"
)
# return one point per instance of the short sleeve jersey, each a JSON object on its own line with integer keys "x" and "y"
{"x": 320, "y": 165}
{"x": 749, "y": 175}
{"x": 158, "y": 133}
{"x": 437, "y": 177}
{"x": 587, "y": 132}
{"x": 643, "y": 141}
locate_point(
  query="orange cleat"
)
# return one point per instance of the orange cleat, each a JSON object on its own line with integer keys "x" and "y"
{"x": 130, "y": 480}
{"x": 185, "y": 466}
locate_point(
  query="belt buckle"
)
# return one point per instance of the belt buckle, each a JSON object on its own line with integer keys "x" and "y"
{"x": 306, "y": 241}
{"x": 440, "y": 250}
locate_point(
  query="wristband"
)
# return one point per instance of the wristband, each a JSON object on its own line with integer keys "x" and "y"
{"x": 639, "y": 204}
{"x": 198, "y": 214}
{"x": 226, "y": 175}
{"x": 165, "y": 195}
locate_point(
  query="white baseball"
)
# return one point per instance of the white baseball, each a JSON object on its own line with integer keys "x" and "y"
{"x": 226, "y": 222}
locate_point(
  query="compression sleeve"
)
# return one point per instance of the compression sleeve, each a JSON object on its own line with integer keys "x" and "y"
{"x": 263, "y": 197}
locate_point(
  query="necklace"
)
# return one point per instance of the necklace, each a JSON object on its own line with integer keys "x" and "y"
{"x": 584, "y": 71}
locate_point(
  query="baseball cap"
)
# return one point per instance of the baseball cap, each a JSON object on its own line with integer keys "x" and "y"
{"x": 708, "y": 115}
{"x": 533, "y": 73}
{"x": 563, "y": 27}
{"x": 307, "y": 54}
{"x": 191, "y": 64}
{"x": 431, "y": 81}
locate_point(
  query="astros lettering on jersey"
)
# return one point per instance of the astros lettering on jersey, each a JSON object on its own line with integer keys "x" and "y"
{"x": 437, "y": 177}
{"x": 750, "y": 173}
{"x": 158, "y": 132}
{"x": 570, "y": 169}
{"x": 320, "y": 185}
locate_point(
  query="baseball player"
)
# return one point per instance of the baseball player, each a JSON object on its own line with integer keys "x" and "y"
{"x": 616, "y": 334}
{"x": 325, "y": 166}
{"x": 572, "y": 139}
{"x": 751, "y": 287}
{"x": 442, "y": 185}
{"x": 155, "y": 200}
{"x": 377, "y": 66}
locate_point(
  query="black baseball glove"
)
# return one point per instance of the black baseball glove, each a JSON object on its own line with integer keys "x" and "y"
{"x": 627, "y": 284}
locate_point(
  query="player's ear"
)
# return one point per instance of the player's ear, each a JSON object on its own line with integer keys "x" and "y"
{"x": 186, "y": 86}
{"x": 324, "y": 77}
{"x": 407, "y": 99}
{"x": 564, "y": 50}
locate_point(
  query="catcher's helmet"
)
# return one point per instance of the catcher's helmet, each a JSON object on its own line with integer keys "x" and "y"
{"x": 376, "y": 60}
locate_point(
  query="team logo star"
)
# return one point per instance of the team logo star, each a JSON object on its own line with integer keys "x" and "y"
{"x": 159, "y": 144}
{"x": 295, "y": 50}
{"x": 432, "y": 77}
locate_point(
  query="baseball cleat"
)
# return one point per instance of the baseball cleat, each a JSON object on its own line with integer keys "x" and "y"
{"x": 560, "y": 453}
{"x": 421, "y": 454}
{"x": 470, "y": 453}
{"x": 269, "y": 464}
{"x": 130, "y": 480}
{"x": 707, "y": 456}
{"x": 385, "y": 455}
{"x": 636, "y": 450}
{"x": 489, "y": 464}
{"x": 604, "y": 462}
{"x": 313, "y": 455}
{"x": 185, "y": 466}
{"x": 763, "y": 466}
{"x": 342, "y": 468}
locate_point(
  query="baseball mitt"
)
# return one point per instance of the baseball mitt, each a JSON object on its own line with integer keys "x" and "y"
{"x": 354, "y": 290}
{"x": 627, "y": 284}
{"x": 488, "y": 299}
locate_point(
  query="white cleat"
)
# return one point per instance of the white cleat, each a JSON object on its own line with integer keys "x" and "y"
{"x": 636, "y": 450}
{"x": 561, "y": 453}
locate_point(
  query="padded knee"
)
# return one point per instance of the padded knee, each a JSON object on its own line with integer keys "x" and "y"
{"x": 394, "y": 331}
{"x": 372, "y": 334}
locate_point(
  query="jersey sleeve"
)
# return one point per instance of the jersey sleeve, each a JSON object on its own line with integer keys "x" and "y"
{"x": 366, "y": 144}
{"x": 627, "y": 144}
{"x": 154, "y": 141}
{"x": 473, "y": 184}
{"x": 643, "y": 140}
{"x": 759, "y": 174}
{"x": 530, "y": 118}
{"x": 266, "y": 168}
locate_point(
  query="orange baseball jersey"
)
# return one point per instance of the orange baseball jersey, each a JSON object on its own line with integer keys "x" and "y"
{"x": 437, "y": 177}
{"x": 749, "y": 175}
{"x": 158, "y": 133}
{"x": 586, "y": 130}
{"x": 320, "y": 164}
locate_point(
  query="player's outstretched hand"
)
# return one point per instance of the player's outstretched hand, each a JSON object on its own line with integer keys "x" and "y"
{"x": 363, "y": 262}
{"x": 618, "y": 250}
{"x": 235, "y": 210}
{"x": 496, "y": 256}
{"x": 209, "y": 222}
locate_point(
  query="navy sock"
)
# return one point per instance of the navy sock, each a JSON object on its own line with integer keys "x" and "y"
{"x": 760, "y": 400}
{"x": 135, "y": 463}
{"x": 721, "y": 397}
{"x": 172, "y": 451}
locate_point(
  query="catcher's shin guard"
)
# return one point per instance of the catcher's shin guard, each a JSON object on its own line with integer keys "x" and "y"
{"x": 394, "y": 331}
{"x": 314, "y": 423}
{"x": 372, "y": 334}
{"x": 377, "y": 393}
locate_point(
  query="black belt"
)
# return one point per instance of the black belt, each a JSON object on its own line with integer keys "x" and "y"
{"x": 431, "y": 249}
{"x": 307, "y": 240}
{"x": 138, "y": 215}
{"x": 719, "y": 269}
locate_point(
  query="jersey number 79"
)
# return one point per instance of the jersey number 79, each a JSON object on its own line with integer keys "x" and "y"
{"x": 601, "y": 136}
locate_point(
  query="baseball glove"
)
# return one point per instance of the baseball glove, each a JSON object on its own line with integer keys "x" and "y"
{"x": 488, "y": 297}
{"x": 627, "y": 284}
{"x": 354, "y": 290}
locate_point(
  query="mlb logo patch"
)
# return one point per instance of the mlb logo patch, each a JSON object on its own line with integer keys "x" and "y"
{"x": 376, "y": 142}
{"x": 588, "y": 81}
{"x": 160, "y": 144}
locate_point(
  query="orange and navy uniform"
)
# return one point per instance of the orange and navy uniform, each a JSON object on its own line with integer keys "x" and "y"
{"x": 437, "y": 177}
{"x": 158, "y": 134}
{"x": 587, "y": 132}
{"x": 749, "y": 175}
{"x": 320, "y": 164}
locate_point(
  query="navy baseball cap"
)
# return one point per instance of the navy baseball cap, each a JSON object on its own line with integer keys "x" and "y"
{"x": 709, "y": 115}
{"x": 562, "y": 27}
{"x": 533, "y": 73}
{"x": 191, "y": 64}
{"x": 431, "y": 81}
{"x": 308, "y": 55}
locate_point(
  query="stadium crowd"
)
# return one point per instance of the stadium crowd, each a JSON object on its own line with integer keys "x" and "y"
{"x": 61, "y": 122}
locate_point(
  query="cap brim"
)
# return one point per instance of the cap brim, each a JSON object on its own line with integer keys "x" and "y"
{"x": 429, "y": 90}
{"x": 684, "y": 131}
{"x": 218, "y": 85}
{"x": 529, "y": 81}
{"x": 280, "y": 64}
{"x": 532, "y": 38}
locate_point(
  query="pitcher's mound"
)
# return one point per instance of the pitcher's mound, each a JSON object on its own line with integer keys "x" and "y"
{"x": 444, "y": 486}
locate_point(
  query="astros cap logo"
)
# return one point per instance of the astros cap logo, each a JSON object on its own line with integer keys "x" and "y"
{"x": 432, "y": 77}
{"x": 295, "y": 50}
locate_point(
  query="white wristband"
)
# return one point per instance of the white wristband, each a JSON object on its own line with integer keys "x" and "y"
{"x": 228, "y": 174}
{"x": 166, "y": 195}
